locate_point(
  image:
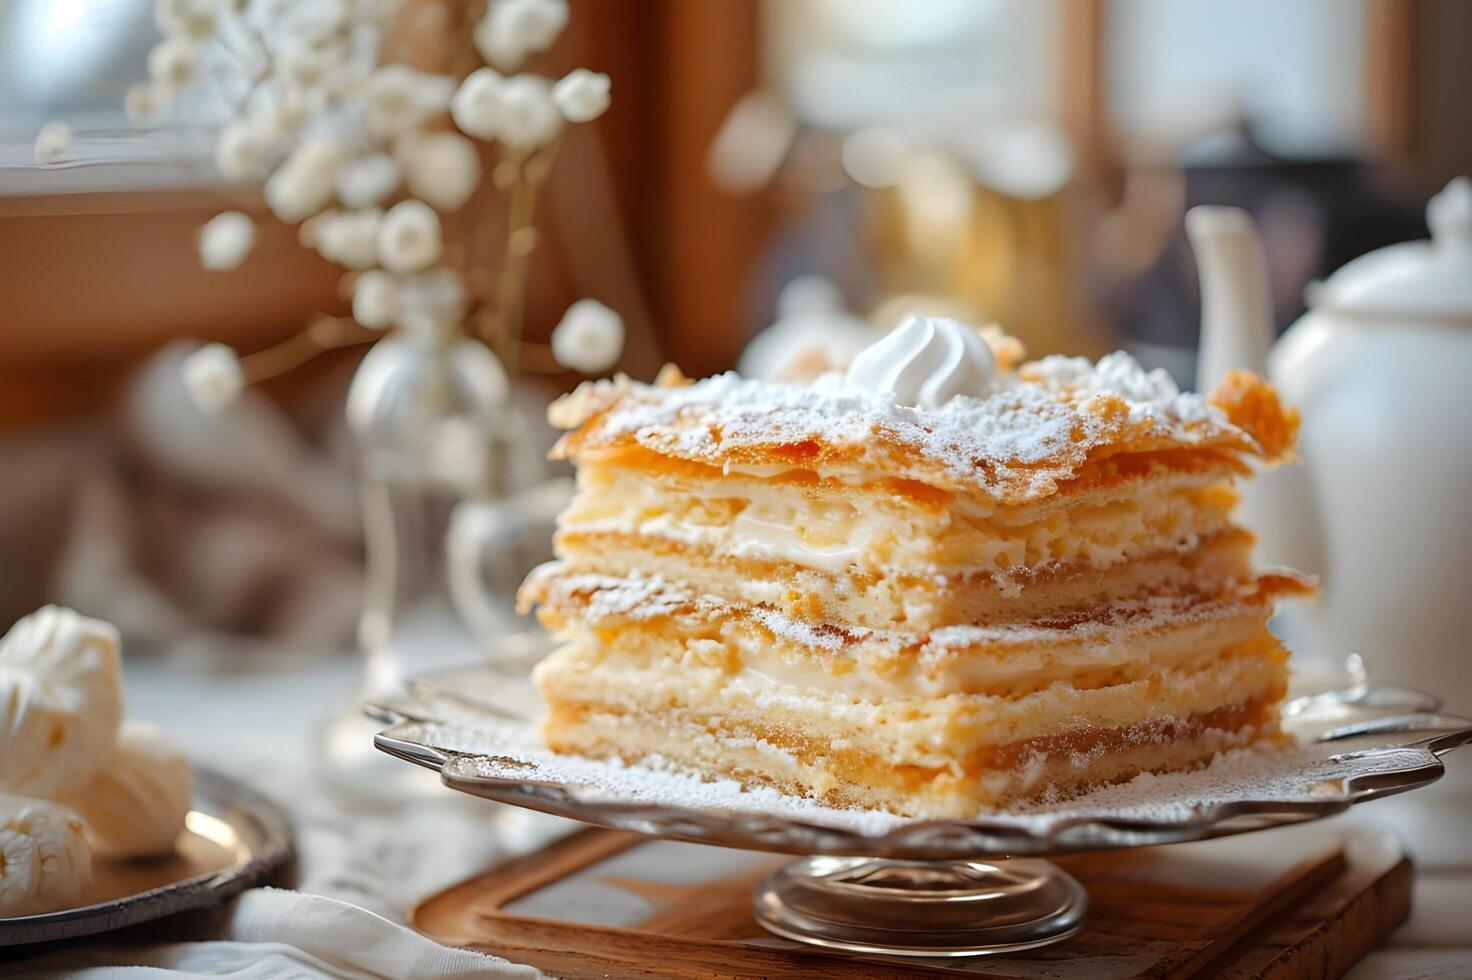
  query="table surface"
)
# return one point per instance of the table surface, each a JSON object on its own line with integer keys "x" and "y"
{"x": 247, "y": 724}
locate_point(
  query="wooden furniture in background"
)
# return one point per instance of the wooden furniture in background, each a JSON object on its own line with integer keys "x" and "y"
{"x": 1392, "y": 58}
{"x": 678, "y": 68}
{"x": 94, "y": 281}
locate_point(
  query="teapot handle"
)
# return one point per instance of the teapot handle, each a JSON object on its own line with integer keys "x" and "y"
{"x": 491, "y": 545}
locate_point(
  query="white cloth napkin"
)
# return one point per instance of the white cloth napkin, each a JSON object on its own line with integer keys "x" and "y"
{"x": 271, "y": 934}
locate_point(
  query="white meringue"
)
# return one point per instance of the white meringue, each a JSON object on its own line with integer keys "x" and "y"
{"x": 61, "y": 701}
{"x": 925, "y": 362}
{"x": 45, "y": 863}
{"x": 136, "y": 804}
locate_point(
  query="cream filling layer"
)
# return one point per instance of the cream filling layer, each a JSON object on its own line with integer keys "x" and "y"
{"x": 756, "y": 659}
{"x": 835, "y": 532}
{"x": 934, "y": 731}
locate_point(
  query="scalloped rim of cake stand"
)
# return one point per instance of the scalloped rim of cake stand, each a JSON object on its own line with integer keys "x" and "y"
{"x": 960, "y": 888}
{"x": 1432, "y": 735}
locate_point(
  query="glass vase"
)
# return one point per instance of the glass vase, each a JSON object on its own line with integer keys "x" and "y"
{"x": 429, "y": 416}
{"x": 429, "y": 413}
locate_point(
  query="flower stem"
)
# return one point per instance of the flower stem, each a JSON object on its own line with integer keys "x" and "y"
{"x": 324, "y": 333}
{"x": 521, "y": 176}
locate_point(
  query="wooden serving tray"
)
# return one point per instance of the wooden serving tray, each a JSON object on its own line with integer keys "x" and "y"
{"x": 1295, "y": 902}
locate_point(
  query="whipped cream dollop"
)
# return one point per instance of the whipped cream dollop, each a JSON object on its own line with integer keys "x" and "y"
{"x": 925, "y": 362}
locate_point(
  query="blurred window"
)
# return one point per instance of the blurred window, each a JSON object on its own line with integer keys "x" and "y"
{"x": 847, "y": 64}
{"x": 1294, "y": 70}
{"x": 73, "y": 60}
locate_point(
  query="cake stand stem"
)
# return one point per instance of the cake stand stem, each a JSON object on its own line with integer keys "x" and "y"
{"x": 921, "y": 908}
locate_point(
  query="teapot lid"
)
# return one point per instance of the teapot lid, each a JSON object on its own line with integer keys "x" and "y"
{"x": 1431, "y": 279}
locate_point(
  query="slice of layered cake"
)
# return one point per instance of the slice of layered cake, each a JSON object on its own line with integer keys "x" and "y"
{"x": 934, "y": 584}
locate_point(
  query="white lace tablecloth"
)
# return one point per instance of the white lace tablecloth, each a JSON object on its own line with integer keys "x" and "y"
{"x": 360, "y": 872}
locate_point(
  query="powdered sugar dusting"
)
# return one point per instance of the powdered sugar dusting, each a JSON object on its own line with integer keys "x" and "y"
{"x": 1151, "y": 394}
{"x": 1031, "y": 431}
{"x": 800, "y": 633}
{"x": 1299, "y": 774}
{"x": 604, "y": 599}
{"x": 637, "y": 597}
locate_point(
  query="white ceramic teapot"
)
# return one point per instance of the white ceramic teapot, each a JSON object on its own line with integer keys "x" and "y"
{"x": 1381, "y": 507}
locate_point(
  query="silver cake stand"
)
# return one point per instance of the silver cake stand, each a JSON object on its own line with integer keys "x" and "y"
{"x": 932, "y": 888}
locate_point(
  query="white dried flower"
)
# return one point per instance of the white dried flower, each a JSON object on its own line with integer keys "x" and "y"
{"x": 582, "y": 95}
{"x": 188, "y": 18}
{"x": 590, "y": 337}
{"x": 53, "y": 143}
{"x": 375, "y": 300}
{"x": 145, "y": 101}
{"x": 213, "y": 377}
{"x": 242, "y": 152}
{"x": 512, "y": 29}
{"x": 398, "y": 99}
{"x": 442, "y": 169}
{"x": 540, "y": 20}
{"x": 529, "y": 119}
{"x": 369, "y": 13}
{"x": 368, "y": 180}
{"x": 286, "y": 109}
{"x": 477, "y": 106}
{"x": 320, "y": 21}
{"x": 304, "y": 183}
{"x": 360, "y": 57}
{"x": 434, "y": 92}
{"x": 349, "y": 238}
{"x": 225, "y": 240}
{"x": 431, "y": 299}
{"x": 308, "y": 63}
{"x": 409, "y": 237}
{"x": 172, "y": 62}
{"x": 308, "y": 233}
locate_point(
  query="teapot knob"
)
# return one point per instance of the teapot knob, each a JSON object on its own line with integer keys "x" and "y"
{"x": 1449, "y": 214}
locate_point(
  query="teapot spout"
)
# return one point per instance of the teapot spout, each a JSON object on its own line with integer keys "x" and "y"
{"x": 1237, "y": 332}
{"x": 1236, "y": 298}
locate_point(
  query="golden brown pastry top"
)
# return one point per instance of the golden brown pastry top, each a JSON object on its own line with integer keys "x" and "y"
{"x": 1047, "y": 424}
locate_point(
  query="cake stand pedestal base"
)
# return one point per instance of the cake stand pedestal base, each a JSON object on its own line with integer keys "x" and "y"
{"x": 1282, "y": 904}
{"x": 921, "y": 908}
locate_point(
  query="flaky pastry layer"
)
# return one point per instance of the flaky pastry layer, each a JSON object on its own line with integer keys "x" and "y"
{"x": 917, "y": 603}
{"x": 853, "y": 773}
{"x": 647, "y": 624}
{"x": 1020, "y": 444}
{"x": 838, "y": 528}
